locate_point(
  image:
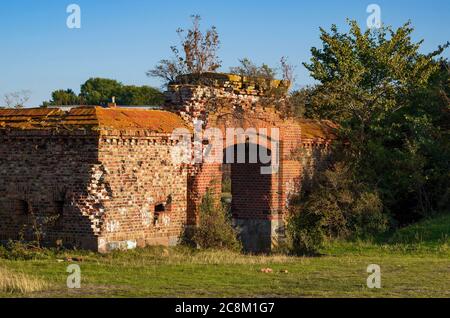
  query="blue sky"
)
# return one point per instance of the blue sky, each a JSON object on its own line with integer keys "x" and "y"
{"x": 121, "y": 39}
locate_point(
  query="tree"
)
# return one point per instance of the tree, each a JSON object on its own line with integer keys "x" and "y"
{"x": 366, "y": 76}
{"x": 99, "y": 91}
{"x": 299, "y": 102}
{"x": 17, "y": 99}
{"x": 140, "y": 95}
{"x": 382, "y": 92}
{"x": 248, "y": 68}
{"x": 198, "y": 53}
{"x": 63, "y": 97}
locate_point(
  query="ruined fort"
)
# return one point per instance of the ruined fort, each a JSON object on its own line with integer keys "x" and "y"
{"x": 104, "y": 178}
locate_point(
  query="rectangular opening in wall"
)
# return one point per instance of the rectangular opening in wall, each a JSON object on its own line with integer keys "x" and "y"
{"x": 160, "y": 209}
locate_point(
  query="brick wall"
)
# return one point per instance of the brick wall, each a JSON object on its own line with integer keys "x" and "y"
{"x": 104, "y": 189}
{"x": 260, "y": 202}
{"x": 46, "y": 180}
{"x": 142, "y": 180}
{"x": 89, "y": 191}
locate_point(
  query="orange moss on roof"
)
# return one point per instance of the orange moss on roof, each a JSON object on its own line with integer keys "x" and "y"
{"x": 29, "y": 118}
{"x": 313, "y": 129}
{"x": 91, "y": 118}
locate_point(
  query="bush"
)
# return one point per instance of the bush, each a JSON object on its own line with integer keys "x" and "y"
{"x": 305, "y": 235}
{"x": 338, "y": 207}
{"x": 16, "y": 250}
{"x": 215, "y": 229}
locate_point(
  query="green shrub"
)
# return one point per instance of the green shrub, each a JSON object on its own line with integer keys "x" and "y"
{"x": 215, "y": 229}
{"x": 16, "y": 250}
{"x": 338, "y": 207}
{"x": 305, "y": 234}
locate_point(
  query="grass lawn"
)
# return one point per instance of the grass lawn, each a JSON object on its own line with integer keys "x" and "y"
{"x": 415, "y": 262}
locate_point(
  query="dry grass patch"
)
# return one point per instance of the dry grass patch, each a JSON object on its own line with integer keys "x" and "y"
{"x": 20, "y": 283}
{"x": 186, "y": 256}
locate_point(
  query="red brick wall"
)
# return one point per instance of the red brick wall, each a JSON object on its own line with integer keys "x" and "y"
{"x": 140, "y": 174}
{"x": 107, "y": 185}
{"x": 105, "y": 190}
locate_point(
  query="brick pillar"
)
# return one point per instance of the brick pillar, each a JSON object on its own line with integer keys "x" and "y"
{"x": 202, "y": 177}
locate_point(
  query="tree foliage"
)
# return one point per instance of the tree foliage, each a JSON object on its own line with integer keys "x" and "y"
{"x": 389, "y": 100}
{"x": 391, "y": 103}
{"x": 341, "y": 206}
{"x": 247, "y": 67}
{"x": 63, "y": 97}
{"x": 99, "y": 91}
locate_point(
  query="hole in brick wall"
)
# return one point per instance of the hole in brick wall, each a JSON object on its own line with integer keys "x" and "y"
{"x": 160, "y": 209}
{"x": 21, "y": 207}
{"x": 15, "y": 207}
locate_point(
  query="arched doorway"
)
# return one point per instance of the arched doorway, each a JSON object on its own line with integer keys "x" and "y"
{"x": 247, "y": 191}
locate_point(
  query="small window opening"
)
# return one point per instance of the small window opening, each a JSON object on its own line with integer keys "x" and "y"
{"x": 159, "y": 211}
{"x": 160, "y": 208}
{"x": 21, "y": 207}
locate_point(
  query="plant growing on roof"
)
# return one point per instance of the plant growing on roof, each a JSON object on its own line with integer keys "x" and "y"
{"x": 198, "y": 54}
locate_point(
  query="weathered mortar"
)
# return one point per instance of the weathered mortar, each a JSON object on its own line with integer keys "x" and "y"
{"x": 109, "y": 176}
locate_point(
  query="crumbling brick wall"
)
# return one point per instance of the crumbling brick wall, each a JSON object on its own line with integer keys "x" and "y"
{"x": 104, "y": 178}
{"x": 260, "y": 203}
{"x": 69, "y": 178}
{"x": 148, "y": 192}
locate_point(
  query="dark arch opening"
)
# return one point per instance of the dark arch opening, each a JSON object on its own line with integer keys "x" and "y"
{"x": 247, "y": 193}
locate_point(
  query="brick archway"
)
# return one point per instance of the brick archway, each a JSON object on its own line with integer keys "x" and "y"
{"x": 251, "y": 201}
{"x": 261, "y": 203}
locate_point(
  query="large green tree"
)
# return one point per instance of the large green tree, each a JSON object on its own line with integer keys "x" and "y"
{"x": 140, "y": 95}
{"x": 99, "y": 91}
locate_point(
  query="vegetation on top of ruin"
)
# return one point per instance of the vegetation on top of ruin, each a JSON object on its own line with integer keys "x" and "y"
{"x": 197, "y": 54}
{"x": 196, "y": 58}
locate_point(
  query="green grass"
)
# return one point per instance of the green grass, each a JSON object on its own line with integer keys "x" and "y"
{"x": 415, "y": 262}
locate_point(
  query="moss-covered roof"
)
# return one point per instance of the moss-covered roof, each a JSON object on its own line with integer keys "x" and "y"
{"x": 117, "y": 118}
{"x": 313, "y": 129}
